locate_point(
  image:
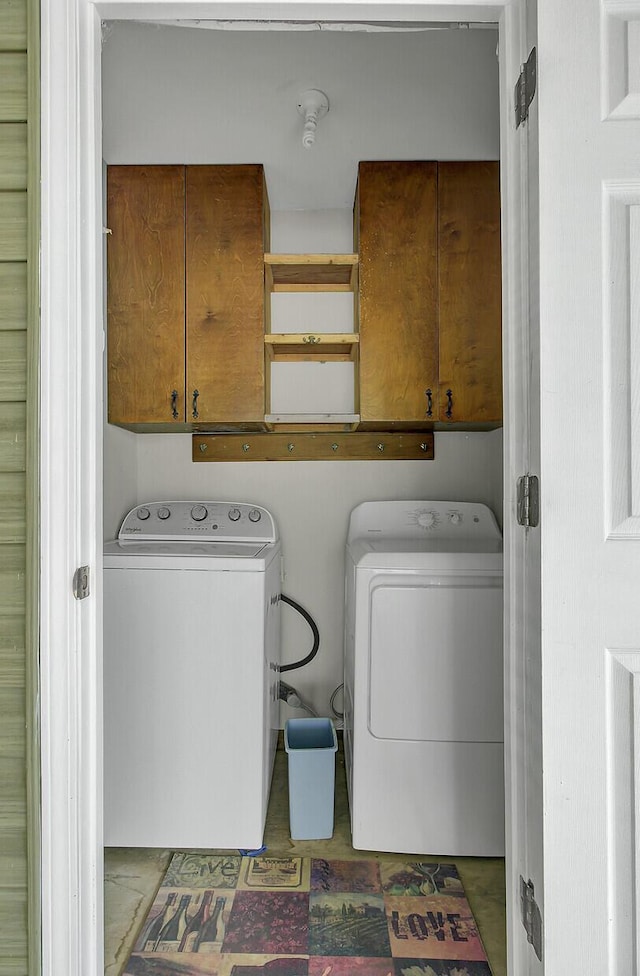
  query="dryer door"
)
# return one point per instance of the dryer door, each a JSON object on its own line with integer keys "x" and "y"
{"x": 435, "y": 665}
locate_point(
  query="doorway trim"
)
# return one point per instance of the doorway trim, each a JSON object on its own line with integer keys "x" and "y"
{"x": 72, "y": 393}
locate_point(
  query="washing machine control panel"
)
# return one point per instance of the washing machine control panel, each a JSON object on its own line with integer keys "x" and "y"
{"x": 208, "y": 521}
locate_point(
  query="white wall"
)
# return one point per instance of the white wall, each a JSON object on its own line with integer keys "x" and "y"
{"x": 494, "y": 447}
{"x": 184, "y": 95}
{"x": 120, "y": 476}
{"x": 174, "y": 94}
{"x": 311, "y": 502}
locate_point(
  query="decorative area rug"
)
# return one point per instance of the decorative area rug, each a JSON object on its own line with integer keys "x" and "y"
{"x": 300, "y": 916}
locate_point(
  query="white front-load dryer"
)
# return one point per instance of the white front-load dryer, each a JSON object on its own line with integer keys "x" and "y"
{"x": 191, "y": 659}
{"x": 423, "y": 678}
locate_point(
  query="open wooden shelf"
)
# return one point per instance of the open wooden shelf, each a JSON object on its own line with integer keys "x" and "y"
{"x": 311, "y": 272}
{"x": 319, "y": 422}
{"x": 337, "y": 347}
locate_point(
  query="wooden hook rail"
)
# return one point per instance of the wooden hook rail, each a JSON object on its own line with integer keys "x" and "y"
{"x": 306, "y": 446}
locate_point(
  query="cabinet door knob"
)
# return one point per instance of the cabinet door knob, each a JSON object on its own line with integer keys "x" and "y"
{"x": 194, "y": 412}
{"x": 429, "y": 396}
{"x": 174, "y": 401}
{"x": 449, "y": 410}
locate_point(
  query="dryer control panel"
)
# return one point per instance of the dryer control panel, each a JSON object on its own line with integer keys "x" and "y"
{"x": 207, "y": 521}
{"x": 438, "y": 520}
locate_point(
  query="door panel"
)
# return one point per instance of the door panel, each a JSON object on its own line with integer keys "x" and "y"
{"x": 225, "y": 294}
{"x": 436, "y": 659}
{"x": 590, "y": 518}
{"x": 145, "y": 293}
{"x": 396, "y": 226}
{"x": 469, "y": 273}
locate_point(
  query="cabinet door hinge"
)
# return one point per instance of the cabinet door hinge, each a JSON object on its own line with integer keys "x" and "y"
{"x": 531, "y": 916}
{"x": 81, "y": 588}
{"x": 525, "y": 88}
{"x": 528, "y": 501}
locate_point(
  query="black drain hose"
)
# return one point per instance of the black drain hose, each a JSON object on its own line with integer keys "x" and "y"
{"x": 316, "y": 636}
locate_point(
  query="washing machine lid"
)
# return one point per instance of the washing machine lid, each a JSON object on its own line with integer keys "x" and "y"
{"x": 208, "y": 550}
{"x": 212, "y": 556}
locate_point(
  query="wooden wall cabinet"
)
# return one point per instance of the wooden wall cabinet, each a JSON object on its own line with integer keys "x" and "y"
{"x": 185, "y": 296}
{"x": 428, "y": 237}
{"x": 190, "y": 280}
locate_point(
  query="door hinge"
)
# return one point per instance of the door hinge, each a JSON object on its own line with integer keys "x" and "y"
{"x": 81, "y": 587}
{"x": 525, "y": 88}
{"x": 531, "y": 916}
{"x": 528, "y": 501}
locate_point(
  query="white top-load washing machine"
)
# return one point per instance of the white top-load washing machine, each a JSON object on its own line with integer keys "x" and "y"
{"x": 191, "y": 659}
{"x": 423, "y": 678}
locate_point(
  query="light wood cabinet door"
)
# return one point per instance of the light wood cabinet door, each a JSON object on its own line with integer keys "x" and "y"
{"x": 396, "y": 236}
{"x": 430, "y": 294}
{"x": 469, "y": 293}
{"x": 145, "y": 294}
{"x": 225, "y": 244}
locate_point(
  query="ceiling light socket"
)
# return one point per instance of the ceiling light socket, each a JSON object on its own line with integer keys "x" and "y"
{"x": 312, "y": 105}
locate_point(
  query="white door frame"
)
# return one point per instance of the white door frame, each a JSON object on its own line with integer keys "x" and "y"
{"x": 72, "y": 418}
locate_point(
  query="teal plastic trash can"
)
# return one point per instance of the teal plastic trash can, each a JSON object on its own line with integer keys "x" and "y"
{"x": 311, "y": 746}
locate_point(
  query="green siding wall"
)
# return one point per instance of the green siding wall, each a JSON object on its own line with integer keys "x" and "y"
{"x": 19, "y": 792}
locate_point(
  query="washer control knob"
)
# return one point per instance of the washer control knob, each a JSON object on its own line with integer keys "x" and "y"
{"x": 255, "y": 515}
{"x": 426, "y": 520}
{"x": 143, "y": 514}
{"x": 198, "y": 513}
{"x": 164, "y": 513}
{"x": 455, "y": 518}
{"x": 234, "y": 514}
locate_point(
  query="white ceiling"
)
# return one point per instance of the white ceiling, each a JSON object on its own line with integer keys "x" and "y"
{"x": 182, "y": 94}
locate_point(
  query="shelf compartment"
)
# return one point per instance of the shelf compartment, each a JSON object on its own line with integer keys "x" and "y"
{"x": 304, "y": 446}
{"x": 311, "y": 272}
{"x": 300, "y": 347}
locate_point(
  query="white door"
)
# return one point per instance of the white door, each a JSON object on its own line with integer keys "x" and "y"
{"x": 589, "y": 131}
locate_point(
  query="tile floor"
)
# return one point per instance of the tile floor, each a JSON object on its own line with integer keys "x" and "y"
{"x": 132, "y": 876}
